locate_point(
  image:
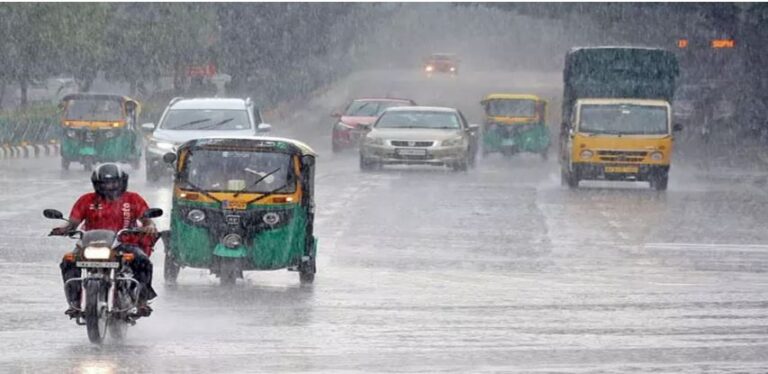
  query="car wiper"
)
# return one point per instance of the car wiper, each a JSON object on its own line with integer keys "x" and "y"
{"x": 191, "y": 123}
{"x": 268, "y": 194}
{"x": 257, "y": 181}
{"x": 215, "y": 124}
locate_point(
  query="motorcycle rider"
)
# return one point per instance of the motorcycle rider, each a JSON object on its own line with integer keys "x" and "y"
{"x": 112, "y": 207}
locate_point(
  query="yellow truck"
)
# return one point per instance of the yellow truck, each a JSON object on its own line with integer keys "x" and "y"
{"x": 617, "y": 117}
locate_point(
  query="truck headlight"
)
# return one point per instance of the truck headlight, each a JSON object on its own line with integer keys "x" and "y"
{"x": 97, "y": 253}
{"x": 586, "y": 154}
{"x": 657, "y": 156}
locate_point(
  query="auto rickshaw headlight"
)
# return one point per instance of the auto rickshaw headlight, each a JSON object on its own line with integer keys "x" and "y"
{"x": 196, "y": 215}
{"x": 586, "y": 154}
{"x": 232, "y": 241}
{"x": 71, "y": 133}
{"x": 97, "y": 253}
{"x": 109, "y": 134}
{"x": 657, "y": 156}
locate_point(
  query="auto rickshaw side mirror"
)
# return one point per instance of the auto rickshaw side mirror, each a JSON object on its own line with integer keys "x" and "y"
{"x": 677, "y": 127}
{"x": 148, "y": 127}
{"x": 152, "y": 213}
{"x": 169, "y": 158}
{"x": 52, "y": 214}
{"x": 264, "y": 127}
{"x": 307, "y": 160}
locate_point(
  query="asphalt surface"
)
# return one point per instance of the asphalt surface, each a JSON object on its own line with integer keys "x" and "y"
{"x": 498, "y": 269}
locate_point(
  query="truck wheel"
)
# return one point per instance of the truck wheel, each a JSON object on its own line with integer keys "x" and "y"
{"x": 659, "y": 181}
{"x": 570, "y": 179}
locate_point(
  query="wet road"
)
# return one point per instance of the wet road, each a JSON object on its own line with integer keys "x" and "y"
{"x": 499, "y": 269}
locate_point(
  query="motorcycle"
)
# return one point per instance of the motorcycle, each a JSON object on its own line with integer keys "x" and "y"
{"x": 108, "y": 291}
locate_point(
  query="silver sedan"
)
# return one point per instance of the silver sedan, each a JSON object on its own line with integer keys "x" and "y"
{"x": 422, "y": 136}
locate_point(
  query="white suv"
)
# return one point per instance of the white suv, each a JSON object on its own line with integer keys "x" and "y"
{"x": 186, "y": 119}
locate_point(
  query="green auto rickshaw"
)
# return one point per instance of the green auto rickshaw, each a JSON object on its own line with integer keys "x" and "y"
{"x": 515, "y": 123}
{"x": 100, "y": 128}
{"x": 242, "y": 204}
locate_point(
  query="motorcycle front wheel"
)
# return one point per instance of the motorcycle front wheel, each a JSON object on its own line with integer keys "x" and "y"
{"x": 96, "y": 311}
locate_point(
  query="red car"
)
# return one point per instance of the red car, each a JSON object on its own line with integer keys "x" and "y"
{"x": 346, "y": 131}
{"x": 441, "y": 63}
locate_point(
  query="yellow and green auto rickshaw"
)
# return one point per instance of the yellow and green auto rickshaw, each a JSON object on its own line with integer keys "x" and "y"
{"x": 242, "y": 204}
{"x": 515, "y": 123}
{"x": 100, "y": 128}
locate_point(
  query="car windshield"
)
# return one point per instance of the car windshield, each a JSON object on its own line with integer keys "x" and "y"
{"x": 206, "y": 119}
{"x": 623, "y": 119}
{"x": 361, "y": 108}
{"x": 418, "y": 119}
{"x": 511, "y": 108}
{"x": 94, "y": 110}
{"x": 231, "y": 171}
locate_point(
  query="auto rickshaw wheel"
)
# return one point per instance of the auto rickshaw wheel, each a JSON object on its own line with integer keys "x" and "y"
{"x": 64, "y": 164}
{"x": 228, "y": 272}
{"x": 88, "y": 163}
{"x": 171, "y": 268}
{"x": 307, "y": 272}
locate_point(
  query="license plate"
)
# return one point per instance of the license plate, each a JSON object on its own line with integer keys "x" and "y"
{"x": 621, "y": 169}
{"x": 233, "y": 220}
{"x": 508, "y": 142}
{"x": 94, "y": 264}
{"x": 411, "y": 152}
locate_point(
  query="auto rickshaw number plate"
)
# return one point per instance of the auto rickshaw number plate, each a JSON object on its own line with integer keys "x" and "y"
{"x": 94, "y": 264}
{"x": 621, "y": 169}
{"x": 235, "y": 205}
{"x": 411, "y": 152}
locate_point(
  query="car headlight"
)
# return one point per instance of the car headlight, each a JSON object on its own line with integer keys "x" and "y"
{"x": 166, "y": 146}
{"x": 586, "y": 154}
{"x": 657, "y": 156}
{"x": 374, "y": 141}
{"x": 429, "y": 68}
{"x": 232, "y": 241}
{"x": 453, "y": 68}
{"x": 343, "y": 126}
{"x": 196, "y": 215}
{"x": 97, "y": 253}
{"x": 452, "y": 142}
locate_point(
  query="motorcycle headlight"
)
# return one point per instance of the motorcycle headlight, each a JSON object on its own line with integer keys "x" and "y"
{"x": 374, "y": 141}
{"x": 232, "y": 241}
{"x": 452, "y": 142}
{"x": 586, "y": 154}
{"x": 196, "y": 215}
{"x": 72, "y": 133}
{"x": 657, "y": 156}
{"x": 97, "y": 253}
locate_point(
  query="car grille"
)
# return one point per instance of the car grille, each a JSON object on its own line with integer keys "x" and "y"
{"x": 622, "y": 156}
{"x": 405, "y": 143}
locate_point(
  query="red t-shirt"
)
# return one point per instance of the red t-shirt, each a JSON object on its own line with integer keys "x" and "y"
{"x": 97, "y": 213}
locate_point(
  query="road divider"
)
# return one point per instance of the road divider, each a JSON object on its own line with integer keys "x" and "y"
{"x": 29, "y": 151}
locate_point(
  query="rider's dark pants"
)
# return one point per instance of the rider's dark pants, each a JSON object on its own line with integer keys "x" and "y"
{"x": 141, "y": 267}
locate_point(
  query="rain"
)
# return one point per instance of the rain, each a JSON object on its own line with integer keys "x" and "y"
{"x": 389, "y": 187}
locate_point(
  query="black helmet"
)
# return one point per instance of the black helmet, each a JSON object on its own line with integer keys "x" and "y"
{"x": 109, "y": 180}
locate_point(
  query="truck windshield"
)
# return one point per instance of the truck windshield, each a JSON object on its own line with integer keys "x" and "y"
{"x": 623, "y": 119}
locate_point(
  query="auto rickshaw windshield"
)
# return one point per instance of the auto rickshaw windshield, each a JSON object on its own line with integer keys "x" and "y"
{"x": 511, "y": 108}
{"x": 235, "y": 171}
{"x": 94, "y": 110}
